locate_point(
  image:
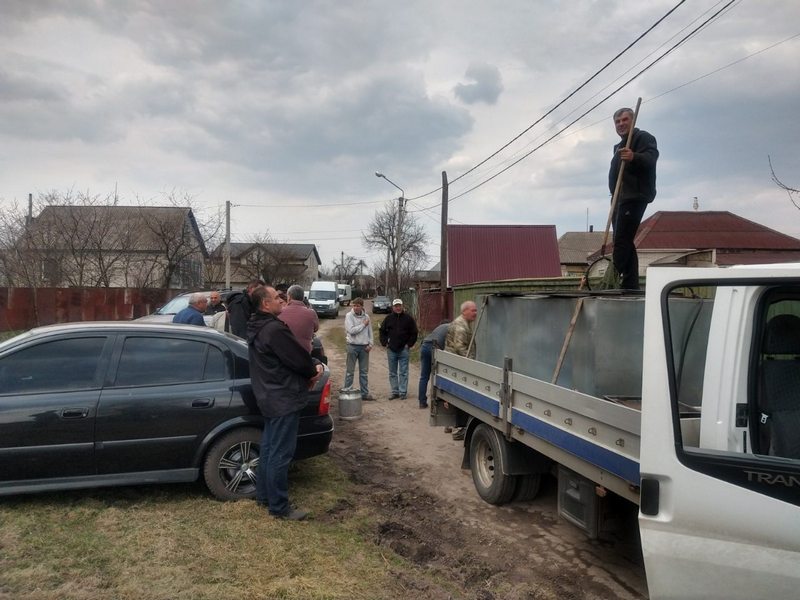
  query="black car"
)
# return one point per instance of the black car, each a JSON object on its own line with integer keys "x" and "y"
{"x": 381, "y": 304}
{"x": 102, "y": 404}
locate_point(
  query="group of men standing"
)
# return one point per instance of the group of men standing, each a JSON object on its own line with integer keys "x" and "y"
{"x": 398, "y": 333}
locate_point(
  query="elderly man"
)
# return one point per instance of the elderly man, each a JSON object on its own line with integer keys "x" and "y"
{"x": 281, "y": 371}
{"x": 637, "y": 191}
{"x": 460, "y": 332}
{"x": 302, "y": 320}
{"x": 459, "y": 341}
{"x": 398, "y": 332}
{"x": 193, "y": 314}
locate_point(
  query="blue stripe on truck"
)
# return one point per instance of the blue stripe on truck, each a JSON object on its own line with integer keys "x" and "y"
{"x": 468, "y": 395}
{"x": 605, "y": 459}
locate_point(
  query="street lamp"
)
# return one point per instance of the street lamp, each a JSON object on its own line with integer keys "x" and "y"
{"x": 398, "y": 240}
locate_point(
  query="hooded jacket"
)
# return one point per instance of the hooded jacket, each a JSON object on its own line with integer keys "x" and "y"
{"x": 280, "y": 367}
{"x": 239, "y": 310}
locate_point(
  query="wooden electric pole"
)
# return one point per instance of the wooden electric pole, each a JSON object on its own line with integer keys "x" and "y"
{"x": 443, "y": 249}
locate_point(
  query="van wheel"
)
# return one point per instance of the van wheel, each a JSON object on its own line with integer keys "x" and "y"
{"x": 231, "y": 464}
{"x": 486, "y": 451}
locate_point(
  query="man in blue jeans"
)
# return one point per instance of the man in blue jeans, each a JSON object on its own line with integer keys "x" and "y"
{"x": 358, "y": 335}
{"x": 281, "y": 372}
{"x": 435, "y": 339}
{"x": 398, "y": 334}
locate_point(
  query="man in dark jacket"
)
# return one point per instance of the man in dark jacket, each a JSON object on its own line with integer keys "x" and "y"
{"x": 398, "y": 333}
{"x": 240, "y": 307}
{"x": 281, "y": 372}
{"x": 637, "y": 191}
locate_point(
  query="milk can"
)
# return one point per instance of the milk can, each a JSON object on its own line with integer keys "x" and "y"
{"x": 349, "y": 404}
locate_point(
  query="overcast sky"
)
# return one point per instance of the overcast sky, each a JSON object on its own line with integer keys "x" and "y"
{"x": 287, "y": 109}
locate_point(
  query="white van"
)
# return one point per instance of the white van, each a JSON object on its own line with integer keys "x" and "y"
{"x": 345, "y": 293}
{"x": 324, "y": 298}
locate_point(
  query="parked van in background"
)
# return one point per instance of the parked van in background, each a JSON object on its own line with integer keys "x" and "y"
{"x": 324, "y": 298}
{"x": 345, "y": 293}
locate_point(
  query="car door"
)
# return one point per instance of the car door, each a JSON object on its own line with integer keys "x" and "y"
{"x": 49, "y": 390}
{"x": 720, "y": 509}
{"x": 165, "y": 393}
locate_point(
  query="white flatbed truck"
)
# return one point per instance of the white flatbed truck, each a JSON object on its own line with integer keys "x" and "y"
{"x": 685, "y": 402}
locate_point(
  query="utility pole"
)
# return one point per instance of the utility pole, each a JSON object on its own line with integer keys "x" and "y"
{"x": 227, "y": 250}
{"x": 399, "y": 240}
{"x": 341, "y": 272}
{"x": 443, "y": 248}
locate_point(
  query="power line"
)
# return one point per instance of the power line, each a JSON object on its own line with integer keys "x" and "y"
{"x": 613, "y": 93}
{"x": 570, "y": 95}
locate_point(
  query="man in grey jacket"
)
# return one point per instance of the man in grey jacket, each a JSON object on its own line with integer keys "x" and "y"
{"x": 358, "y": 335}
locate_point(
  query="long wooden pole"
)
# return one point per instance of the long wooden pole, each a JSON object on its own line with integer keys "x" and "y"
{"x": 618, "y": 186}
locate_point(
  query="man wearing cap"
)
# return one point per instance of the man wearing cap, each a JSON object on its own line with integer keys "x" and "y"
{"x": 398, "y": 333}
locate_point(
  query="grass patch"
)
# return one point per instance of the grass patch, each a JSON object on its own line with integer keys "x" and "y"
{"x": 176, "y": 542}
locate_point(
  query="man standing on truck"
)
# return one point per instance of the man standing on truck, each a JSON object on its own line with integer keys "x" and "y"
{"x": 459, "y": 341}
{"x": 281, "y": 371}
{"x": 398, "y": 332}
{"x": 637, "y": 191}
{"x": 358, "y": 334}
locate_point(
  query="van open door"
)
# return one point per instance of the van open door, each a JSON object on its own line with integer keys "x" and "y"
{"x": 720, "y": 459}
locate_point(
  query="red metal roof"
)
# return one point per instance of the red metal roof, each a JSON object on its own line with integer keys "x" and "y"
{"x": 497, "y": 252}
{"x": 709, "y": 229}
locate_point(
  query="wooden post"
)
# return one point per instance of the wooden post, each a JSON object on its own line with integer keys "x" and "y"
{"x": 443, "y": 250}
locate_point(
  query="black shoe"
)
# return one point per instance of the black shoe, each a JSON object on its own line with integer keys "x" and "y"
{"x": 368, "y": 398}
{"x": 459, "y": 434}
{"x": 293, "y": 515}
{"x": 394, "y": 396}
{"x": 423, "y": 406}
{"x": 402, "y": 396}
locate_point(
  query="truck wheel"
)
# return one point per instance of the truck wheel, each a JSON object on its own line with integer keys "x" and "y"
{"x": 231, "y": 463}
{"x": 527, "y": 487}
{"x": 485, "y": 451}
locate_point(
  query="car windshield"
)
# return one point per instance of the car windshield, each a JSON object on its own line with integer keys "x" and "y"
{"x": 174, "y": 306}
{"x": 322, "y": 295}
{"x": 381, "y": 300}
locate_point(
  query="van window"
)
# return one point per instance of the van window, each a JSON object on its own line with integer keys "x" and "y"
{"x": 322, "y": 295}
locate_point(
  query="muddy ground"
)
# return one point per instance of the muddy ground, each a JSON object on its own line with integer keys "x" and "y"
{"x": 430, "y": 513}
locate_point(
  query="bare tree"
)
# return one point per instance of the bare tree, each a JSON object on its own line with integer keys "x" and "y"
{"x": 347, "y": 267}
{"x": 175, "y": 235}
{"x": 382, "y": 234}
{"x": 794, "y": 193}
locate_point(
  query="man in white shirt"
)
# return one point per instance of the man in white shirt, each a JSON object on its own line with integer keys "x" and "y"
{"x": 358, "y": 334}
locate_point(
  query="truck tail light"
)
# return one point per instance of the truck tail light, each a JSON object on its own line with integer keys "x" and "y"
{"x": 325, "y": 400}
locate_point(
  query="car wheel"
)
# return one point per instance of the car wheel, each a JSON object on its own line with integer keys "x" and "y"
{"x": 485, "y": 453}
{"x": 231, "y": 464}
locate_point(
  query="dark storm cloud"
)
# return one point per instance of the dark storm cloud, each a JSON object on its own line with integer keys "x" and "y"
{"x": 486, "y": 85}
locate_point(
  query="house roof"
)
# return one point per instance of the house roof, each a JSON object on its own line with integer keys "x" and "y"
{"x": 709, "y": 229}
{"x": 497, "y": 252}
{"x": 149, "y": 222}
{"x": 574, "y": 247}
{"x": 296, "y": 251}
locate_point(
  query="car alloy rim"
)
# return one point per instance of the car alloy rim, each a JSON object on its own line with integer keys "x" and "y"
{"x": 238, "y": 466}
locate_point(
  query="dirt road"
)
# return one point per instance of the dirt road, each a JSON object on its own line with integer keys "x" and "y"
{"x": 432, "y": 515}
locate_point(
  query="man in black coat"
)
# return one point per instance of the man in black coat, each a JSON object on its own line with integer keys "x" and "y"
{"x": 240, "y": 307}
{"x": 637, "y": 191}
{"x": 281, "y": 372}
{"x": 398, "y": 333}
